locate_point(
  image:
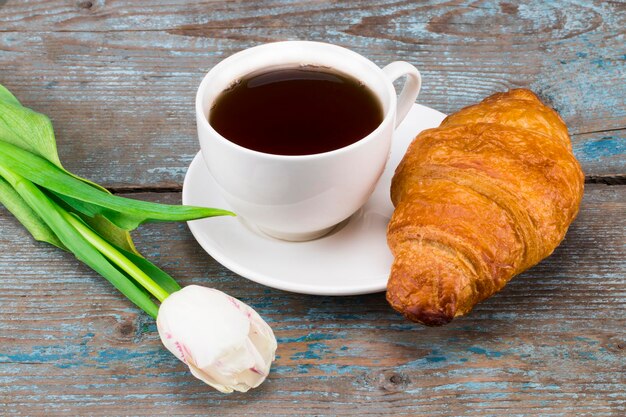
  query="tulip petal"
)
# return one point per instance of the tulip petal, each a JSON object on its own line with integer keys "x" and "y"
{"x": 225, "y": 343}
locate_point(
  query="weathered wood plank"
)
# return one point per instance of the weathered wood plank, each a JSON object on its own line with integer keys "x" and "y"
{"x": 551, "y": 343}
{"x": 119, "y": 78}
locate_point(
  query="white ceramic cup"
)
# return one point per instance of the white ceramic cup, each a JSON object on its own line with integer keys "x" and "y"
{"x": 302, "y": 197}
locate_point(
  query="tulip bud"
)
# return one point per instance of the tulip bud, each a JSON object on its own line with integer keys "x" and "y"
{"x": 224, "y": 342}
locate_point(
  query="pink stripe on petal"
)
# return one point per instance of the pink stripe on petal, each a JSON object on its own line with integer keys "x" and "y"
{"x": 188, "y": 352}
{"x": 179, "y": 347}
{"x": 256, "y": 371}
{"x": 234, "y": 302}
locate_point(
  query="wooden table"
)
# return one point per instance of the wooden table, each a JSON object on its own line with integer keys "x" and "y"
{"x": 118, "y": 80}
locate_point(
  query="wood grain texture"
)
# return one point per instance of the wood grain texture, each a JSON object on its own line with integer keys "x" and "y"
{"x": 118, "y": 78}
{"x": 551, "y": 343}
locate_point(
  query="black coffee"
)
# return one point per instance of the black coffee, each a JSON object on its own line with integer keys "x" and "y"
{"x": 296, "y": 112}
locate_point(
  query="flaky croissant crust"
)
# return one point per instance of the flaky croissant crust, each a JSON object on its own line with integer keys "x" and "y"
{"x": 486, "y": 195}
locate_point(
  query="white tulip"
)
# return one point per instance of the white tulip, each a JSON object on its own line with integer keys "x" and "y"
{"x": 224, "y": 342}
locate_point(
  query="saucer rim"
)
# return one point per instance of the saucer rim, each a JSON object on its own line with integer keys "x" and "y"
{"x": 264, "y": 279}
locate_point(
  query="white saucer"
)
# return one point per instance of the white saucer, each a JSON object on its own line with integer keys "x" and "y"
{"x": 352, "y": 259}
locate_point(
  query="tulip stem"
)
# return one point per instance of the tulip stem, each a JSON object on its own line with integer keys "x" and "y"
{"x": 116, "y": 257}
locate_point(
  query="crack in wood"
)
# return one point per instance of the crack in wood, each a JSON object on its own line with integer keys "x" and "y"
{"x": 607, "y": 180}
{"x": 618, "y": 179}
{"x": 132, "y": 189}
{"x": 617, "y": 129}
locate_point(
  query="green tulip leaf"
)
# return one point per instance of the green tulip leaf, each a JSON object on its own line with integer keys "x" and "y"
{"x": 32, "y": 132}
{"x": 25, "y": 215}
{"x": 78, "y": 215}
{"x": 52, "y": 215}
{"x": 7, "y": 96}
{"x": 159, "y": 276}
{"x": 125, "y": 213}
{"x": 27, "y": 129}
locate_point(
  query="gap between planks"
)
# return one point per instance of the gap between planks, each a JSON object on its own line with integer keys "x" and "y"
{"x": 132, "y": 189}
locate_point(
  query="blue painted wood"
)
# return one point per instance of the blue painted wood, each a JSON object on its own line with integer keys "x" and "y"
{"x": 118, "y": 79}
{"x": 551, "y": 343}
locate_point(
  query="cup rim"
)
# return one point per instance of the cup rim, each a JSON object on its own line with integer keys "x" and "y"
{"x": 203, "y": 119}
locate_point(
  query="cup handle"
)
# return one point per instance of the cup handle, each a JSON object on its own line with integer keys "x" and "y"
{"x": 411, "y": 87}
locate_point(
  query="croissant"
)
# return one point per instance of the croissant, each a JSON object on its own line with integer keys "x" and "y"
{"x": 486, "y": 195}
